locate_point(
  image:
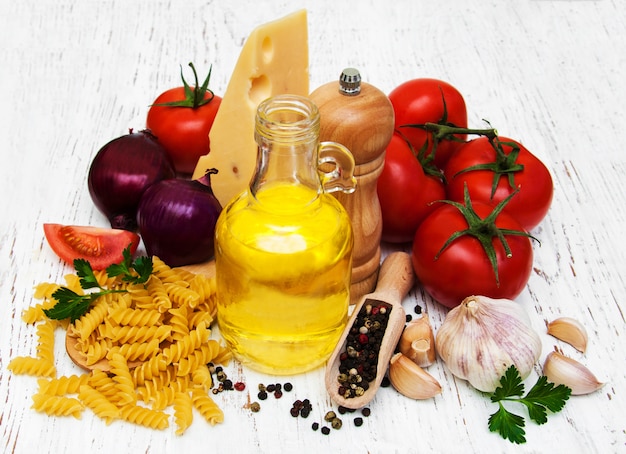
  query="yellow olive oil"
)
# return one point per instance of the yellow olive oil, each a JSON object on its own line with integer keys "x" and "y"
{"x": 283, "y": 278}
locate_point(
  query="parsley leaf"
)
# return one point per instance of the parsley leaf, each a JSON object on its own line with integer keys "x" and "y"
{"x": 73, "y": 305}
{"x": 542, "y": 397}
{"x": 85, "y": 273}
{"x": 69, "y": 304}
{"x": 142, "y": 267}
{"x": 508, "y": 425}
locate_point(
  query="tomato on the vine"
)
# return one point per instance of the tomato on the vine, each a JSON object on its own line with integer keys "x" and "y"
{"x": 181, "y": 119}
{"x": 405, "y": 192}
{"x": 468, "y": 249}
{"x": 101, "y": 247}
{"x": 424, "y": 100}
{"x": 494, "y": 169}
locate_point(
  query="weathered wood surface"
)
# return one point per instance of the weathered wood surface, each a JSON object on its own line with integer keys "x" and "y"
{"x": 549, "y": 73}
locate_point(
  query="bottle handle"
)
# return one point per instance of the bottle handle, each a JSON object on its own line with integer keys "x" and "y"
{"x": 336, "y": 168}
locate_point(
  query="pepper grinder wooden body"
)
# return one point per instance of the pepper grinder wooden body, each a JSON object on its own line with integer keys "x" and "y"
{"x": 360, "y": 117}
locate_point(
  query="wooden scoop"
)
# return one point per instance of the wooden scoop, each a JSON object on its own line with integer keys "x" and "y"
{"x": 395, "y": 280}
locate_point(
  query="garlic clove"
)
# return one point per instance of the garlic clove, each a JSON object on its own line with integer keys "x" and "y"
{"x": 562, "y": 370}
{"x": 411, "y": 380}
{"x": 569, "y": 330}
{"x": 417, "y": 342}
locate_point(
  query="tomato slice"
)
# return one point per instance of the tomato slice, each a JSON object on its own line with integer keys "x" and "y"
{"x": 100, "y": 246}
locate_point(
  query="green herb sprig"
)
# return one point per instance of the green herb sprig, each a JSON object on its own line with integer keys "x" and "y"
{"x": 73, "y": 305}
{"x": 543, "y": 396}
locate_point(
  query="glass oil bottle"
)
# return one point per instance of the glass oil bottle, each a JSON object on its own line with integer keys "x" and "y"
{"x": 284, "y": 246}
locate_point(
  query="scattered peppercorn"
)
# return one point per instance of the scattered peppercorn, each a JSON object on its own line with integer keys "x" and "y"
{"x": 278, "y": 394}
{"x": 366, "y": 411}
{"x": 329, "y": 416}
{"x": 270, "y": 388}
{"x": 227, "y": 384}
{"x": 240, "y": 386}
{"x": 325, "y": 430}
{"x": 409, "y": 317}
{"x": 315, "y": 426}
{"x": 255, "y": 407}
{"x": 262, "y": 395}
{"x": 358, "y": 421}
{"x": 418, "y": 309}
{"x": 288, "y": 387}
{"x": 336, "y": 423}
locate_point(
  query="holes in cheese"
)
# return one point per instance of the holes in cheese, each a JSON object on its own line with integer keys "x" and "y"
{"x": 274, "y": 60}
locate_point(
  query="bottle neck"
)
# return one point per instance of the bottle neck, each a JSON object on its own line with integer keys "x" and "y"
{"x": 287, "y": 135}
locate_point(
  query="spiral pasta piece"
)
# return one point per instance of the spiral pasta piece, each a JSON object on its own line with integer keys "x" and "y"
{"x": 28, "y": 365}
{"x": 135, "y": 317}
{"x": 131, "y": 334}
{"x": 178, "y": 322}
{"x": 57, "y": 405}
{"x": 98, "y": 403}
{"x": 206, "y": 406}
{"x": 148, "y": 370}
{"x": 87, "y": 323}
{"x": 146, "y": 417}
{"x": 160, "y": 298}
{"x": 182, "y": 295}
{"x": 97, "y": 350}
{"x": 45, "y": 340}
{"x": 202, "y": 377}
{"x": 165, "y": 273}
{"x": 185, "y": 346}
{"x": 139, "y": 295}
{"x": 138, "y": 351}
{"x": 62, "y": 385}
{"x": 101, "y": 381}
{"x": 183, "y": 412}
{"x": 123, "y": 380}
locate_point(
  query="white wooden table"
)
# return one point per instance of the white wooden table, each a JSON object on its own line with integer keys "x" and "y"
{"x": 75, "y": 74}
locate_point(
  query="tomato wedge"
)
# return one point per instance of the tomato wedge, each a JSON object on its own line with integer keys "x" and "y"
{"x": 101, "y": 247}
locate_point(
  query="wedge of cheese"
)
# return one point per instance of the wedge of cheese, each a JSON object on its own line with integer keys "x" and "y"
{"x": 274, "y": 60}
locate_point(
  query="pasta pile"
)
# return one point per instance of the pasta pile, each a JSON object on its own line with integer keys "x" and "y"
{"x": 162, "y": 328}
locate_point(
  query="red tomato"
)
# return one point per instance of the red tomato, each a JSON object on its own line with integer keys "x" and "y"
{"x": 101, "y": 247}
{"x": 463, "y": 268}
{"x": 405, "y": 192}
{"x": 181, "y": 118}
{"x": 420, "y": 101}
{"x": 529, "y": 206}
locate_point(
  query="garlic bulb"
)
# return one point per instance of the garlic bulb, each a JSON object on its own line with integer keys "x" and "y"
{"x": 563, "y": 370}
{"x": 482, "y": 337}
{"x": 417, "y": 342}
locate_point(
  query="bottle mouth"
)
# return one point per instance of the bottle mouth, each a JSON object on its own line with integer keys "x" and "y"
{"x": 288, "y": 118}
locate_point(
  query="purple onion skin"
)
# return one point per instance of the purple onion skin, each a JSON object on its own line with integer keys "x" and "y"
{"x": 177, "y": 220}
{"x": 120, "y": 173}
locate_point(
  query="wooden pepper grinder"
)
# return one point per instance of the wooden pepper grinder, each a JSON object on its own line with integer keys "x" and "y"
{"x": 360, "y": 117}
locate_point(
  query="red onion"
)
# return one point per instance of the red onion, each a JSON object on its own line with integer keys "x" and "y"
{"x": 120, "y": 173}
{"x": 177, "y": 219}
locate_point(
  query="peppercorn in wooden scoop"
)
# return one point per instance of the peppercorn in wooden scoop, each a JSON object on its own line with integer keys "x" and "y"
{"x": 360, "y": 360}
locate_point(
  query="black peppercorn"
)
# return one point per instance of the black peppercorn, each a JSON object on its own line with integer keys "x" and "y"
{"x": 366, "y": 411}
{"x": 358, "y": 421}
{"x": 325, "y": 430}
{"x": 288, "y": 387}
{"x": 315, "y": 426}
{"x": 262, "y": 395}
